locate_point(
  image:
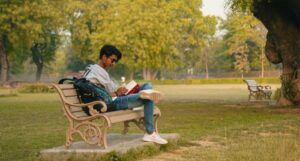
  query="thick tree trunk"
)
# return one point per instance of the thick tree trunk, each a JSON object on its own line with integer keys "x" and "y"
{"x": 282, "y": 19}
{"x": 3, "y": 64}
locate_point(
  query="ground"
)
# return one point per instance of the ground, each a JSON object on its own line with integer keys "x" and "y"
{"x": 213, "y": 121}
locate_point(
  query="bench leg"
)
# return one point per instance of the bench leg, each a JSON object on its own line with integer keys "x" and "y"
{"x": 103, "y": 138}
{"x": 69, "y": 138}
{"x": 138, "y": 122}
{"x": 126, "y": 127}
{"x": 155, "y": 123}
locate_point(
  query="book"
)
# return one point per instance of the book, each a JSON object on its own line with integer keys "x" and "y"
{"x": 132, "y": 87}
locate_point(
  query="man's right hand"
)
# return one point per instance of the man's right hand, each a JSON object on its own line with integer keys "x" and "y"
{"x": 121, "y": 91}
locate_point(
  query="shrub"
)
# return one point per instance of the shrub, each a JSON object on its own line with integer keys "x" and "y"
{"x": 277, "y": 94}
{"x": 35, "y": 88}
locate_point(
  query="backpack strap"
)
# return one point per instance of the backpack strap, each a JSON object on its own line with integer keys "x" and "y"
{"x": 67, "y": 79}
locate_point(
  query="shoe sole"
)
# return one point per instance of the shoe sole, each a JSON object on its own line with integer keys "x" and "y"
{"x": 154, "y": 141}
{"x": 154, "y": 96}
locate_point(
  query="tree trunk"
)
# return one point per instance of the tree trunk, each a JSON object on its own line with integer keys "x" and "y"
{"x": 149, "y": 74}
{"x": 38, "y": 61}
{"x": 39, "y": 72}
{"x": 131, "y": 75}
{"x": 282, "y": 19}
{"x": 206, "y": 65}
{"x": 3, "y": 64}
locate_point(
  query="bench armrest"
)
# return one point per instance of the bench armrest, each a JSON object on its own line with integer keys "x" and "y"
{"x": 90, "y": 106}
{"x": 259, "y": 87}
{"x": 267, "y": 87}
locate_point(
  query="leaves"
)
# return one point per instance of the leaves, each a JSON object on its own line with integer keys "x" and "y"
{"x": 245, "y": 35}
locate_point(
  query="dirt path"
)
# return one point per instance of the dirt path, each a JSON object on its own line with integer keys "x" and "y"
{"x": 186, "y": 153}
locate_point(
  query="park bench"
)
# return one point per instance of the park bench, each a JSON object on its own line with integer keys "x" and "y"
{"x": 258, "y": 92}
{"x": 93, "y": 129}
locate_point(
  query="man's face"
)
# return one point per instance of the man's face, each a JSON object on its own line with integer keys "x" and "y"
{"x": 109, "y": 61}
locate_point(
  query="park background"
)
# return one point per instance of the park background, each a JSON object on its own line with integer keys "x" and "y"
{"x": 47, "y": 40}
{"x": 197, "y": 60}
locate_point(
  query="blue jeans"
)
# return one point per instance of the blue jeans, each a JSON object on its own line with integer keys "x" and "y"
{"x": 133, "y": 100}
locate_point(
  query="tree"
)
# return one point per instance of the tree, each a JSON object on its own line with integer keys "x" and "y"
{"x": 282, "y": 20}
{"x": 199, "y": 38}
{"x": 145, "y": 31}
{"x": 44, "y": 46}
{"x": 24, "y": 24}
{"x": 44, "y": 51}
{"x": 244, "y": 36}
{"x": 10, "y": 30}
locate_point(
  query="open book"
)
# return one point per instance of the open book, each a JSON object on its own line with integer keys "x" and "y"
{"x": 132, "y": 87}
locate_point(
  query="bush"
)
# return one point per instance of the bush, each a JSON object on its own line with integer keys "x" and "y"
{"x": 35, "y": 88}
{"x": 277, "y": 94}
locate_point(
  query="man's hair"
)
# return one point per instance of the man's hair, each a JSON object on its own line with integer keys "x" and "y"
{"x": 109, "y": 50}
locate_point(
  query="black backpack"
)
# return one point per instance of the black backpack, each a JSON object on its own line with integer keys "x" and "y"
{"x": 88, "y": 92}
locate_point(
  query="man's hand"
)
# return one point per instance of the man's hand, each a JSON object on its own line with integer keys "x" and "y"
{"x": 121, "y": 91}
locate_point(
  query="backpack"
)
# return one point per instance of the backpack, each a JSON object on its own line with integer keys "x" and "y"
{"x": 88, "y": 92}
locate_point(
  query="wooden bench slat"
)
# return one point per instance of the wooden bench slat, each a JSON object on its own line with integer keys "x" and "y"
{"x": 69, "y": 92}
{"x": 73, "y": 99}
{"x": 66, "y": 86}
{"x": 252, "y": 88}
{"x": 115, "y": 113}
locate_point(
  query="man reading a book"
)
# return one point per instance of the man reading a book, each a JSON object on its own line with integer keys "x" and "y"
{"x": 109, "y": 55}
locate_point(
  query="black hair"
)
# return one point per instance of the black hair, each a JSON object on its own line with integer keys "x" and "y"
{"x": 109, "y": 50}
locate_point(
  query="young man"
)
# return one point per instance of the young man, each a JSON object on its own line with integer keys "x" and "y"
{"x": 97, "y": 74}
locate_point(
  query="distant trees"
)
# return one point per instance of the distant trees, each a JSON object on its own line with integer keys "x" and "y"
{"x": 28, "y": 29}
{"x": 152, "y": 33}
{"x": 155, "y": 36}
{"x": 244, "y": 37}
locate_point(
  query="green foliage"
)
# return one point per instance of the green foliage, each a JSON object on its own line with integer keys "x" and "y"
{"x": 36, "y": 88}
{"x": 245, "y": 38}
{"x": 151, "y": 34}
{"x": 29, "y": 28}
{"x": 76, "y": 64}
{"x": 155, "y": 36}
{"x": 277, "y": 94}
{"x": 240, "y": 5}
{"x": 8, "y": 95}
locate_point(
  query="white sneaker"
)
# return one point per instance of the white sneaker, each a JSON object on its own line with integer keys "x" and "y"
{"x": 150, "y": 95}
{"x": 154, "y": 137}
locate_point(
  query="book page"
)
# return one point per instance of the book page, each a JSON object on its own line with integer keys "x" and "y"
{"x": 132, "y": 87}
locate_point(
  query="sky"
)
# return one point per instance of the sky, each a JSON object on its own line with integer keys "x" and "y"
{"x": 214, "y": 7}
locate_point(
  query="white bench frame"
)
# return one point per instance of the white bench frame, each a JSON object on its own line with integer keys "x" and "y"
{"x": 258, "y": 92}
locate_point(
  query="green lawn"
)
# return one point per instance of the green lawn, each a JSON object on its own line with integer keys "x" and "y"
{"x": 32, "y": 122}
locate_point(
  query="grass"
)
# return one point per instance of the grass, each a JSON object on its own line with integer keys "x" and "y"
{"x": 199, "y": 113}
